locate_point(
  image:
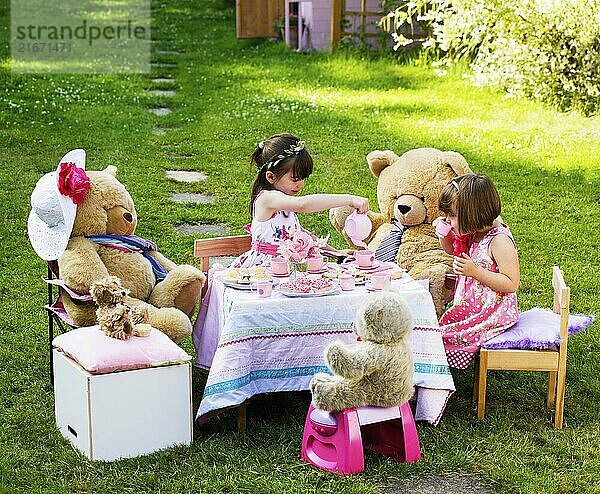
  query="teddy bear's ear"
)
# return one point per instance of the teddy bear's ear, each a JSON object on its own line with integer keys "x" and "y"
{"x": 457, "y": 162}
{"x": 378, "y": 160}
{"x": 111, "y": 170}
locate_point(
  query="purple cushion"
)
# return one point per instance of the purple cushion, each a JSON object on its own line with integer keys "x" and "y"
{"x": 537, "y": 329}
{"x": 98, "y": 353}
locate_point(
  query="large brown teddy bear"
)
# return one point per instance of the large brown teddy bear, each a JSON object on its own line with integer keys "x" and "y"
{"x": 86, "y": 220}
{"x": 108, "y": 209}
{"x": 408, "y": 189}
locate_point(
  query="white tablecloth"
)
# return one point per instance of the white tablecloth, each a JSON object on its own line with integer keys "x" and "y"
{"x": 253, "y": 345}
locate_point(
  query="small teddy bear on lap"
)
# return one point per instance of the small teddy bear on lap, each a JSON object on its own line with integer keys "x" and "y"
{"x": 115, "y": 317}
{"x": 378, "y": 369}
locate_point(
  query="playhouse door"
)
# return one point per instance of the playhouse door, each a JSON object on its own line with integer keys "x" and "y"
{"x": 255, "y": 18}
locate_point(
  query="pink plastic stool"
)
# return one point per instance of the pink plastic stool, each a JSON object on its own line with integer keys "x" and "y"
{"x": 332, "y": 441}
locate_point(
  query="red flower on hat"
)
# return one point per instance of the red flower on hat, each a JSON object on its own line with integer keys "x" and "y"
{"x": 73, "y": 182}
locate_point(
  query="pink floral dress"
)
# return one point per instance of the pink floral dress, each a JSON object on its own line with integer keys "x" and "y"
{"x": 479, "y": 313}
{"x": 266, "y": 232}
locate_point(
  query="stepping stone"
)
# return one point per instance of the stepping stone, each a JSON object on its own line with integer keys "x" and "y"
{"x": 202, "y": 229}
{"x": 185, "y": 176}
{"x": 163, "y": 80}
{"x": 440, "y": 484}
{"x": 162, "y": 92}
{"x": 168, "y": 52}
{"x": 163, "y": 64}
{"x": 159, "y": 131}
{"x": 160, "y": 112}
{"x": 187, "y": 197}
{"x": 180, "y": 156}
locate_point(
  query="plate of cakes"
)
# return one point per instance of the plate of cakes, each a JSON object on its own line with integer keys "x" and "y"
{"x": 360, "y": 276}
{"x": 308, "y": 287}
{"x": 245, "y": 278}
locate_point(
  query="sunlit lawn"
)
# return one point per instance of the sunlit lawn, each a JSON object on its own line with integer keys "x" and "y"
{"x": 230, "y": 95}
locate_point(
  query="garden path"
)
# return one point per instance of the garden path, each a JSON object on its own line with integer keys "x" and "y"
{"x": 165, "y": 88}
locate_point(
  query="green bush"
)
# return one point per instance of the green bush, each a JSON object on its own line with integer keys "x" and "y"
{"x": 545, "y": 49}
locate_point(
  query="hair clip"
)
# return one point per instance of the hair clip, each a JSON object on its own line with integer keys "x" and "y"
{"x": 455, "y": 183}
{"x": 261, "y": 144}
{"x": 299, "y": 146}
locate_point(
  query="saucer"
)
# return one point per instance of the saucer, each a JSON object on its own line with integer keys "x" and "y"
{"x": 371, "y": 288}
{"x": 318, "y": 271}
{"x": 277, "y": 275}
{"x": 376, "y": 264}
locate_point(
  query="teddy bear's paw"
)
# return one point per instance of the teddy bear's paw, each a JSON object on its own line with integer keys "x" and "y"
{"x": 142, "y": 330}
{"x": 319, "y": 379}
{"x": 171, "y": 321}
{"x": 181, "y": 289}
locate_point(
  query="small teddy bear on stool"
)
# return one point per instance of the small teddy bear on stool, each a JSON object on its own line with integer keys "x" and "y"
{"x": 115, "y": 317}
{"x": 378, "y": 370}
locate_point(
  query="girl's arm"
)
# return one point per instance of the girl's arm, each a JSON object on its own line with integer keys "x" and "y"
{"x": 271, "y": 201}
{"x": 503, "y": 251}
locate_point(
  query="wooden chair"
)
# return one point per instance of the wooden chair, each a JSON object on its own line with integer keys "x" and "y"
{"x": 204, "y": 249}
{"x": 553, "y": 361}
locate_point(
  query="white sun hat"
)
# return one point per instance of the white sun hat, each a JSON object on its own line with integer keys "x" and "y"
{"x": 54, "y": 205}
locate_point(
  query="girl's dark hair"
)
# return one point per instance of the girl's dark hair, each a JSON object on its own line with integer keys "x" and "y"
{"x": 474, "y": 199}
{"x": 279, "y": 154}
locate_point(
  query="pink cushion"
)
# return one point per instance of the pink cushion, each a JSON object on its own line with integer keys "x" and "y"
{"x": 100, "y": 354}
{"x": 537, "y": 329}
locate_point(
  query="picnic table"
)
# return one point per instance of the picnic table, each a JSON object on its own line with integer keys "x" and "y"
{"x": 252, "y": 345}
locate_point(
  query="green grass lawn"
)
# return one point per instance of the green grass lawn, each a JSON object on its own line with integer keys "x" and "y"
{"x": 230, "y": 95}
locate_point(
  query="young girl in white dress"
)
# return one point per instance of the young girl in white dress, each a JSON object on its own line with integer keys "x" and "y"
{"x": 283, "y": 165}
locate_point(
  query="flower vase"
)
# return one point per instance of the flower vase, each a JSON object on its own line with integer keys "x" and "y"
{"x": 296, "y": 269}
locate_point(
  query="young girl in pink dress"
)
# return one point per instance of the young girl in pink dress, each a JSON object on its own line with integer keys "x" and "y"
{"x": 283, "y": 165}
{"x": 487, "y": 265}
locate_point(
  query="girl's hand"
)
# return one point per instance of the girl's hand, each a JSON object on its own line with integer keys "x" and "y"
{"x": 359, "y": 203}
{"x": 465, "y": 266}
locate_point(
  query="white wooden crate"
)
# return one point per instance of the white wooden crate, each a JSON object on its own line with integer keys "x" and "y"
{"x": 123, "y": 414}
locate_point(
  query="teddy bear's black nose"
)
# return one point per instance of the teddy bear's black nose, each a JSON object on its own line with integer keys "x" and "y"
{"x": 128, "y": 217}
{"x": 403, "y": 209}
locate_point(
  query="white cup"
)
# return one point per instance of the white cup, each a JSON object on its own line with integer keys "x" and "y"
{"x": 314, "y": 263}
{"x": 442, "y": 228}
{"x": 365, "y": 258}
{"x": 381, "y": 280}
{"x": 347, "y": 282}
{"x": 264, "y": 288}
{"x": 280, "y": 266}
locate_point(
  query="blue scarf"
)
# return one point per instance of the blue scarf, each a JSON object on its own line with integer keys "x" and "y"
{"x": 132, "y": 243}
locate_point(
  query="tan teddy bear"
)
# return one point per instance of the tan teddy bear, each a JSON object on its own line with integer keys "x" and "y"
{"x": 86, "y": 220}
{"x": 408, "y": 189}
{"x": 115, "y": 317}
{"x": 377, "y": 370}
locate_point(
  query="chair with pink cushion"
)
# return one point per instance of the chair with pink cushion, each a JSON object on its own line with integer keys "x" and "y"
{"x": 335, "y": 441}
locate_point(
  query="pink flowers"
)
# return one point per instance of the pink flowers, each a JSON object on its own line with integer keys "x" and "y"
{"x": 73, "y": 182}
{"x": 299, "y": 245}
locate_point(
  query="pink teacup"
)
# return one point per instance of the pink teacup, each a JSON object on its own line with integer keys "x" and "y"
{"x": 280, "y": 266}
{"x": 381, "y": 280}
{"x": 365, "y": 258}
{"x": 314, "y": 263}
{"x": 347, "y": 282}
{"x": 264, "y": 288}
{"x": 442, "y": 228}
